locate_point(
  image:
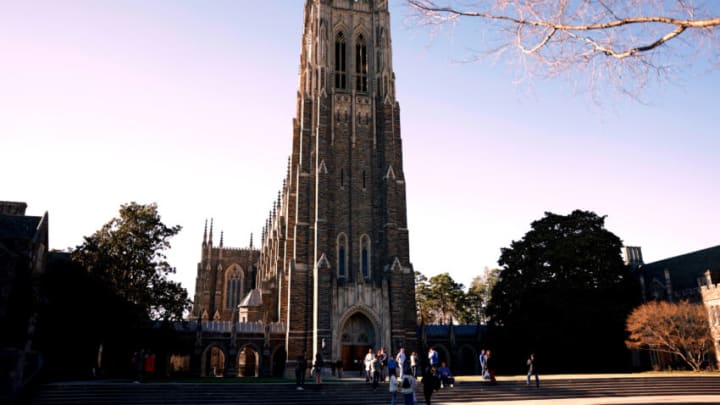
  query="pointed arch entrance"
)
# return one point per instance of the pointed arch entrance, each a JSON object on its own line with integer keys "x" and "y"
{"x": 248, "y": 362}
{"x": 212, "y": 361}
{"x": 357, "y": 336}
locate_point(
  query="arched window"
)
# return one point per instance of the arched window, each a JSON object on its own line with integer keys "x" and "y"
{"x": 342, "y": 255}
{"x": 234, "y": 278}
{"x": 340, "y": 69}
{"x": 365, "y": 256}
{"x": 361, "y": 66}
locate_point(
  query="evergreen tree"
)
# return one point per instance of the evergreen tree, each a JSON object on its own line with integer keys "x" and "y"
{"x": 564, "y": 292}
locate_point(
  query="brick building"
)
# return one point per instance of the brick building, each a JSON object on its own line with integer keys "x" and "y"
{"x": 334, "y": 266}
{"x": 23, "y": 257}
{"x": 685, "y": 277}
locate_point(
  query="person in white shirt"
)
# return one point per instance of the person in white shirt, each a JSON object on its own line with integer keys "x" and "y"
{"x": 369, "y": 358}
{"x": 401, "y": 361}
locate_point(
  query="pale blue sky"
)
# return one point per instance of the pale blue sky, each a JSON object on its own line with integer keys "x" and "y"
{"x": 189, "y": 104}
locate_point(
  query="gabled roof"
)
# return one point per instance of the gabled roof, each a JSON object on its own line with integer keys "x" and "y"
{"x": 253, "y": 299}
{"x": 18, "y": 227}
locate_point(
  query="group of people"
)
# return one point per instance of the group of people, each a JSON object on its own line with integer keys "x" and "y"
{"x": 143, "y": 364}
{"x": 402, "y": 372}
{"x": 487, "y": 367}
{"x": 301, "y": 368}
{"x": 375, "y": 364}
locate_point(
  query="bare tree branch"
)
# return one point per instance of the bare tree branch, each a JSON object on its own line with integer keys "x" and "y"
{"x": 594, "y": 35}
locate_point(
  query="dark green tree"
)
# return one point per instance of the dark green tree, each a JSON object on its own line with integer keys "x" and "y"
{"x": 447, "y": 297}
{"x": 422, "y": 300}
{"x": 128, "y": 255}
{"x": 564, "y": 292}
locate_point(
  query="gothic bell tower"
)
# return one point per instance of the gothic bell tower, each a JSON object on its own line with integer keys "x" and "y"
{"x": 337, "y": 248}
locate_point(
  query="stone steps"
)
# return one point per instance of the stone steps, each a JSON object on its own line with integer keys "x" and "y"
{"x": 348, "y": 393}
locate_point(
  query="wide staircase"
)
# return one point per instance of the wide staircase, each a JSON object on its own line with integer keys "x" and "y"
{"x": 348, "y": 393}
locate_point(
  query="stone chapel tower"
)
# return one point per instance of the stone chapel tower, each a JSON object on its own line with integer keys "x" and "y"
{"x": 335, "y": 245}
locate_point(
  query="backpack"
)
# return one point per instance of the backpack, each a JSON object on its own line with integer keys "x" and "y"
{"x": 406, "y": 383}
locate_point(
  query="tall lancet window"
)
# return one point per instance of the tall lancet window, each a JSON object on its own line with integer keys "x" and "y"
{"x": 342, "y": 255}
{"x": 361, "y": 66}
{"x": 340, "y": 65}
{"x": 234, "y": 278}
{"x": 365, "y": 256}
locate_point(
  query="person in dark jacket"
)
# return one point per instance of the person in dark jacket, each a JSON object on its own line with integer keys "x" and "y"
{"x": 300, "y": 369}
{"x": 431, "y": 383}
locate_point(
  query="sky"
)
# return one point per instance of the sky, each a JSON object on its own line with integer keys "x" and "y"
{"x": 189, "y": 104}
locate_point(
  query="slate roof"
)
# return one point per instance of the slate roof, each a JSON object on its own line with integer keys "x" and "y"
{"x": 18, "y": 227}
{"x": 685, "y": 269}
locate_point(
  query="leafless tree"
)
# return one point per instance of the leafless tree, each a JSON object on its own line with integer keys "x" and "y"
{"x": 681, "y": 329}
{"x": 624, "y": 43}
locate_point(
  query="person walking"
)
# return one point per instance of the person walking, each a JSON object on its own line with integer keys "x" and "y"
{"x": 431, "y": 383}
{"x": 532, "y": 370}
{"x": 393, "y": 387}
{"x": 300, "y": 369}
{"x": 407, "y": 388}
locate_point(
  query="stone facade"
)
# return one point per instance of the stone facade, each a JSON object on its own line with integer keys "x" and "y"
{"x": 334, "y": 264}
{"x": 711, "y": 299}
{"x": 683, "y": 277}
{"x": 225, "y": 276}
{"x": 23, "y": 258}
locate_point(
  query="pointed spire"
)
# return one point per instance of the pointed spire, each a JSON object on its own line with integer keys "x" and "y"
{"x": 251, "y": 240}
{"x": 205, "y": 234}
{"x": 221, "y": 238}
{"x": 211, "y": 231}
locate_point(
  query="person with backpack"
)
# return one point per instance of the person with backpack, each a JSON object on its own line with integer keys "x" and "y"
{"x": 431, "y": 383}
{"x": 407, "y": 388}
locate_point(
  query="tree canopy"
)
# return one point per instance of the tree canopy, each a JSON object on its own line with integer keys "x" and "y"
{"x": 128, "y": 254}
{"x": 680, "y": 329}
{"x": 624, "y": 43}
{"x": 564, "y": 289}
{"x": 442, "y": 300}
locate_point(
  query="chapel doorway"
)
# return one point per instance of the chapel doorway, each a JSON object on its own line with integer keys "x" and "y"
{"x": 248, "y": 362}
{"x": 358, "y": 335}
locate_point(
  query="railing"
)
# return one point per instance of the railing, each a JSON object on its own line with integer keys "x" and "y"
{"x": 241, "y": 327}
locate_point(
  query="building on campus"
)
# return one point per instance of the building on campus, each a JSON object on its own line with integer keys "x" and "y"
{"x": 23, "y": 257}
{"x": 684, "y": 277}
{"x": 332, "y": 274}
